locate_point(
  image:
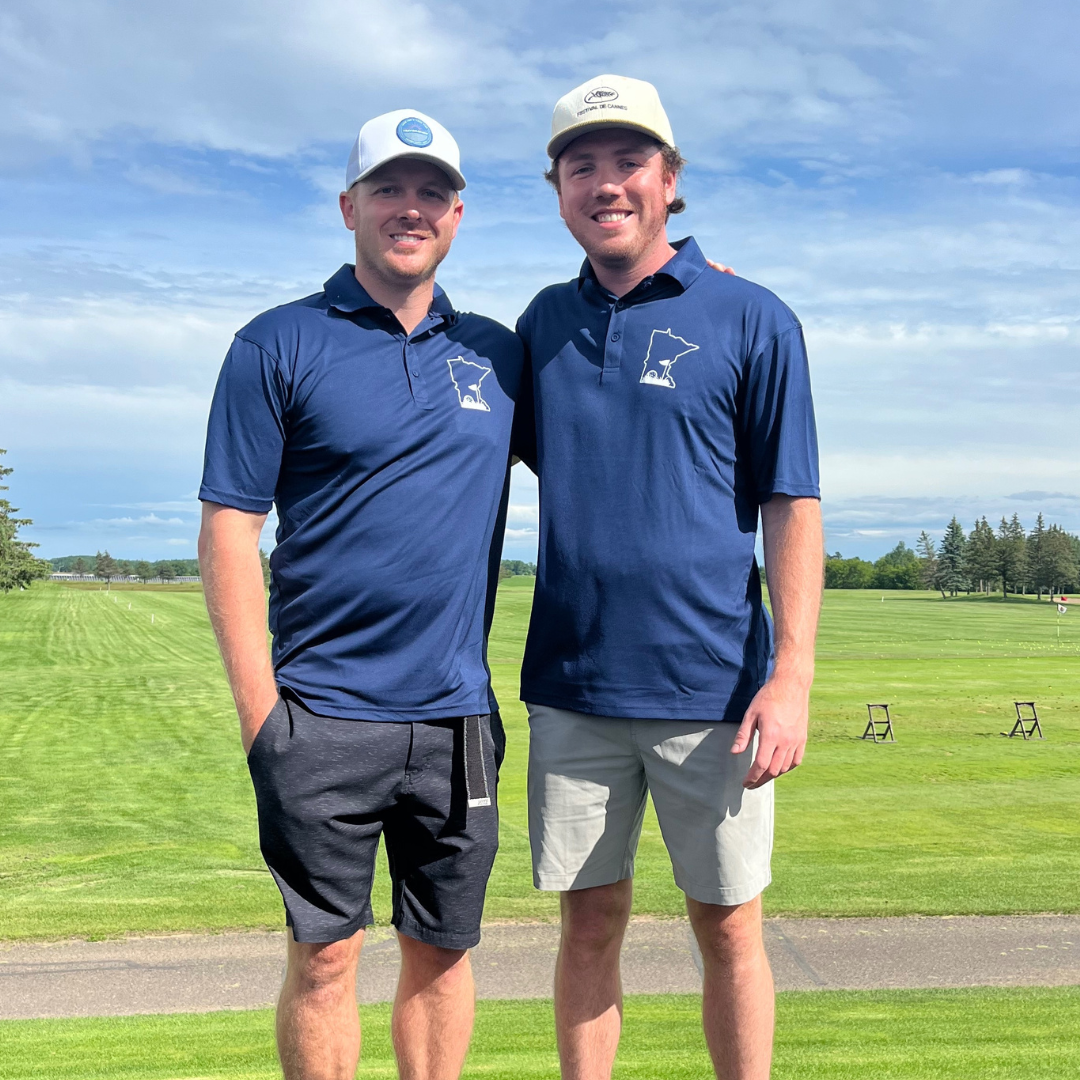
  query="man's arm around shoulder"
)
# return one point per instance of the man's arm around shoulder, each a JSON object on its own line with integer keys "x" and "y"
{"x": 794, "y": 556}
{"x": 236, "y": 600}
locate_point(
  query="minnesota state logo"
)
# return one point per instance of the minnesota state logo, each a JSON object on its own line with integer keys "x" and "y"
{"x": 467, "y": 377}
{"x": 664, "y": 349}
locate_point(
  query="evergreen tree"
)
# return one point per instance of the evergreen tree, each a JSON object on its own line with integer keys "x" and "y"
{"x": 166, "y": 571}
{"x": 951, "y": 560}
{"x": 928, "y": 563}
{"x": 105, "y": 566}
{"x": 981, "y": 557}
{"x": 79, "y": 566}
{"x": 143, "y": 570}
{"x": 1036, "y": 557}
{"x": 18, "y": 567}
{"x": 1061, "y": 559}
{"x": 1011, "y": 555}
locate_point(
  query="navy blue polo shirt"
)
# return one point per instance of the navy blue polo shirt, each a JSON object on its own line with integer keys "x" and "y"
{"x": 663, "y": 420}
{"x": 386, "y": 455}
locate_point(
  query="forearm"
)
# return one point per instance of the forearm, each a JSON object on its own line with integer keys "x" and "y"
{"x": 236, "y": 601}
{"x": 794, "y": 557}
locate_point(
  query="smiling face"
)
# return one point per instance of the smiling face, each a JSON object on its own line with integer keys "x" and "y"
{"x": 613, "y": 195}
{"x": 405, "y": 216}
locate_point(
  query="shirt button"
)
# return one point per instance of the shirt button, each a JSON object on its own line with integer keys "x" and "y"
{"x": 616, "y": 336}
{"x": 415, "y": 374}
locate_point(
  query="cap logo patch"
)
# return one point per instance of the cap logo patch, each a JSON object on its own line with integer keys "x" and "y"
{"x": 601, "y": 93}
{"x": 412, "y": 131}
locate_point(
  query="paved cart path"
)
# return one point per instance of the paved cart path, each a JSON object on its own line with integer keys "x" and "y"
{"x": 197, "y": 973}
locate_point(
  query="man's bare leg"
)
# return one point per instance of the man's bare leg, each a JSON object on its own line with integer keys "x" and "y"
{"x": 318, "y": 1027}
{"x": 433, "y": 1011}
{"x": 738, "y": 1001}
{"x": 588, "y": 989}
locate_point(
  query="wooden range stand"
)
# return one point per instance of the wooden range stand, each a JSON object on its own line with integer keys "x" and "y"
{"x": 885, "y": 734}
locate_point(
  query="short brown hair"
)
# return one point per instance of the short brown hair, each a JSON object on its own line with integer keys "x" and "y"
{"x": 671, "y": 161}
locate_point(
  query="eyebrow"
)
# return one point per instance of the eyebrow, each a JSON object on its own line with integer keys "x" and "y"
{"x": 446, "y": 189}
{"x": 586, "y": 155}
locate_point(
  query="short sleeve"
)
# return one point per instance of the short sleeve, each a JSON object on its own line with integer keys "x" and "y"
{"x": 245, "y": 435}
{"x": 777, "y": 422}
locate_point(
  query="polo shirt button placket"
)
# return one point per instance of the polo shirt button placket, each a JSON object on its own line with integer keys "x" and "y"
{"x": 413, "y": 371}
{"x": 613, "y": 345}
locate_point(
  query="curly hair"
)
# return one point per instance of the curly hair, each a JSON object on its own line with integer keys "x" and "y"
{"x": 671, "y": 161}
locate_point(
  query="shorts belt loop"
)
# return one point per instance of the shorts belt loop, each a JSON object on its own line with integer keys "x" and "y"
{"x": 476, "y": 784}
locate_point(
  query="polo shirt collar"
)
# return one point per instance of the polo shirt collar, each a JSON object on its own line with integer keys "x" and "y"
{"x": 347, "y": 295}
{"x": 683, "y": 267}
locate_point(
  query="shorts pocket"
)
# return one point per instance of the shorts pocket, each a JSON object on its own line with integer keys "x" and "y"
{"x": 258, "y": 740}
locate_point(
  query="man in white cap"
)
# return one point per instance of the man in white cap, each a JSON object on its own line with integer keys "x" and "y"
{"x": 376, "y": 419}
{"x": 672, "y": 411}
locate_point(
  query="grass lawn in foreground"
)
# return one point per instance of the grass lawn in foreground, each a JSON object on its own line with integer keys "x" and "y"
{"x": 127, "y": 806}
{"x": 1029, "y": 1034}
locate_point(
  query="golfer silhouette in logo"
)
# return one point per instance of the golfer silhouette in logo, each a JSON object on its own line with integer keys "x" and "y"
{"x": 664, "y": 350}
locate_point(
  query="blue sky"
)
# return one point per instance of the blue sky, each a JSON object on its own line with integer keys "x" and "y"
{"x": 903, "y": 176}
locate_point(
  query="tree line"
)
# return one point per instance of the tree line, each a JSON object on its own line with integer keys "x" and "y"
{"x": 898, "y": 569}
{"x": 1006, "y": 559}
{"x": 516, "y": 568}
{"x": 103, "y": 565}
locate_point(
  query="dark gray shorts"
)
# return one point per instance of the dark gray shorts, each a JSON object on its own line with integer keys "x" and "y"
{"x": 328, "y": 788}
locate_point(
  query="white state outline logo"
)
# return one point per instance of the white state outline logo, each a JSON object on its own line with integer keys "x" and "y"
{"x": 468, "y": 393}
{"x": 651, "y": 374}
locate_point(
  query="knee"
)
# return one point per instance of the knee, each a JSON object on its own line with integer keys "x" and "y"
{"x": 430, "y": 964}
{"x": 593, "y": 920}
{"x": 727, "y": 935}
{"x": 322, "y": 968}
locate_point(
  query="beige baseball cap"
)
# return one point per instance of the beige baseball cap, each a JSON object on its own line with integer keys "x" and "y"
{"x": 608, "y": 101}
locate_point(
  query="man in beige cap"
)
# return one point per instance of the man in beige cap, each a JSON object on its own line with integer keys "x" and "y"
{"x": 672, "y": 410}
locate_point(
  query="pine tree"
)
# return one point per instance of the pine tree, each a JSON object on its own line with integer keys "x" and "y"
{"x": 18, "y": 567}
{"x": 1061, "y": 559}
{"x": 981, "y": 557}
{"x": 928, "y": 563}
{"x": 1011, "y": 555}
{"x": 1036, "y": 557}
{"x": 951, "y": 560}
{"x": 105, "y": 566}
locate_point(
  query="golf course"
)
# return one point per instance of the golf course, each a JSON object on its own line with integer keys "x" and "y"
{"x": 127, "y": 809}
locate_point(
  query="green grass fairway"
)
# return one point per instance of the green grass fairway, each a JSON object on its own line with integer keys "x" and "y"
{"x": 898, "y": 1035}
{"x": 126, "y": 805}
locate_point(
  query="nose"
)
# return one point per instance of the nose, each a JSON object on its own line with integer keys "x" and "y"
{"x": 609, "y": 188}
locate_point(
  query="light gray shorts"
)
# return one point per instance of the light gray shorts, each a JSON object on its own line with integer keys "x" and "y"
{"x": 588, "y": 781}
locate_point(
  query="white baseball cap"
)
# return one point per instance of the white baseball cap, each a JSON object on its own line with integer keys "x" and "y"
{"x": 608, "y": 101}
{"x": 404, "y": 133}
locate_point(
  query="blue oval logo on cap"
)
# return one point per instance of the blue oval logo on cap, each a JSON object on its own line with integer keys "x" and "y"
{"x": 412, "y": 131}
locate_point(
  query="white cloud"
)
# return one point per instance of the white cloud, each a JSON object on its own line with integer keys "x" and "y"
{"x": 900, "y": 174}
